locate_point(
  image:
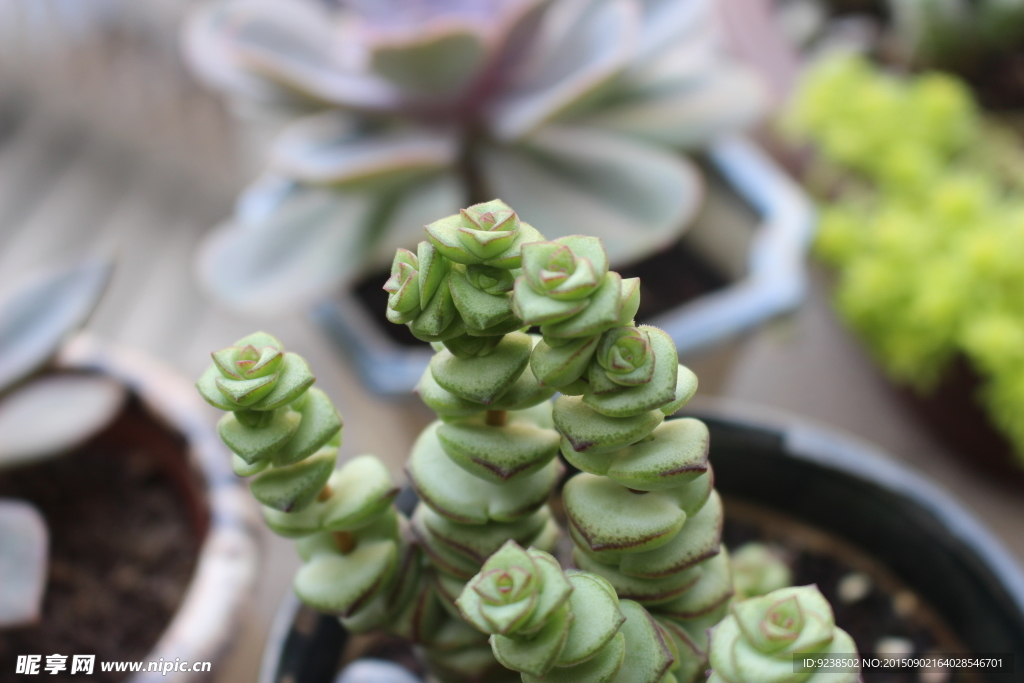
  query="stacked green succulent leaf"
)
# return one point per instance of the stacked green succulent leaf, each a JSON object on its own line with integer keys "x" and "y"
{"x": 285, "y": 434}
{"x": 485, "y": 470}
{"x": 651, "y": 576}
{"x": 757, "y": 642}
{"x": 644, "y": 513}
{"x": 564, "y": 626}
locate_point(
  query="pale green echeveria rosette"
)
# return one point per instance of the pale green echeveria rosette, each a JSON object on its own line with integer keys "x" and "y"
{"x": 575, "y": 112}
{"x": 557, "y": 626}
{"x": 456, "y": 289}
{"x": 567, "y": 290}
{"x": 758, "y": 640}
{"x": 286, "y": 434}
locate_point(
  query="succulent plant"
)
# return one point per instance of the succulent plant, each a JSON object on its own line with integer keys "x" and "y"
{"x": 645, "y": 520}
{"x": 392, "y": 113}
{"x": 757, "y": 641}
{"x": 563, "y": 626}
{"x": 926, "y": 232}
{"x": 758, "y": 570}
{"x": 43, "y": 415}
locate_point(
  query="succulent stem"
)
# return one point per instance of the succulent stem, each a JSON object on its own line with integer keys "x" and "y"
{"x": 497, "y": 418}
{"x": 346, "y": 541}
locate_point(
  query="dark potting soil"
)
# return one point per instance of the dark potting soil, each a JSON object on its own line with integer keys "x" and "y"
{"x": 669, "y": 278}
{"x": 126, "y": 522}
{"x": 886, "y": 609}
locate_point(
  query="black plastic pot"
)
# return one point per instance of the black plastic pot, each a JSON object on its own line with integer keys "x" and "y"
{"x": 839, "y": 486}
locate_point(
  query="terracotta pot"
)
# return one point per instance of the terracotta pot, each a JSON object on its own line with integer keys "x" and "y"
{"x": 209, "y": 615}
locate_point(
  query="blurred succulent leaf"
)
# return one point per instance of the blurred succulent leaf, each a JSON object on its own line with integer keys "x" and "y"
{"x": 38, "y": 315}
{"x": 24, "y": 547}
{"x": 634, "y": 197}
{"x": 306, "y": 241}
{"x": 434, "y": 65}
{"x": 687, "y": 113}
{"x": 669, "y": 23}
{"x": 579, "y": 55}
{"x": 293, "y": 46}
{"x": 54, "y": 414}
{"x": 325, "y": 149}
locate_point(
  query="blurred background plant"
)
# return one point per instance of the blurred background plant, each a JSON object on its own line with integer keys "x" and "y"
{"x": 381, "y": 115}
{"x": 43, "y": 415}
{"x": 926, "y": 230}
{"x": 980, "y": 40}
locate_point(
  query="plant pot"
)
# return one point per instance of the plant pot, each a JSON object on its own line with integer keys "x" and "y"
{"x": 163, "y": 439}
{"x": 841, "y": 488}
{"x": 740, "y": 264}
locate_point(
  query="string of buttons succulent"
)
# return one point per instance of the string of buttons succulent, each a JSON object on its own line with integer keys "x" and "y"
{"x": 475, "y": 577}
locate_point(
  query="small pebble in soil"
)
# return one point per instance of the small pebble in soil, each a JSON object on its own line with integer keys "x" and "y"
{"x": 904, "y": 603}
{"x": 894, "y": 647}
{"x": 375, "y": 671}
{"x": 854, "y": 587}
{"x": 934, "y": 676}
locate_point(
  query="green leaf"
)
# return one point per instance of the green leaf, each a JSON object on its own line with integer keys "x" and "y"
{"x": 601, "y": 313}
{"x": 255, "y": 444}
{"x": 499, "y": 454}
{"x": 648, "y": 656}
{"x": 712, "y": 591}
{"x": 479, "y": 309}
{"x": 54, "y": 414}
{"x": 294, "y": 379}
{"x": 645, "y": 591}
{"x": 23, "y": 563}
{"x": 637, "y": 199}
{"x": 39, "y": 314}
{"x": 526, "y": 393}
{"x": 661, "y": 390}
{"x": 686, "y": 387}
{"x": 610, "y": 517}
{"x": 586, "y": 430}
{"x": 557, "y": 366}
{"x": 602, "y": 668}
{"x": 534, "y": 655}
{"x": 458, "y": 495}
{"x": 597, "y": 617}
{"x": 476, "y": 543}
{"x": 361, "y": 489}
{"x": 675, "y": 453}
{"x": 447, "y": 405}
{"x": 483, "y": 379}
{"x": 537, "y": 309}
{"x": 320, "y": 423}
{"x": 698, "y": 540}
{"x": 336, "y": 583}
{"x": 293, "y": 487}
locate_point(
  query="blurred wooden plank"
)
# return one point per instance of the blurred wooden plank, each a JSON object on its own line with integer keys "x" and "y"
{"x": 61, "y": 226}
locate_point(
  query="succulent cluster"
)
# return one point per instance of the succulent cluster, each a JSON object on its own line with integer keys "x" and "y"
{"x": 390, "y": 113}
{"x": 927, "y": 232}
{"x": 285, "y": 434}
{"x": 757, "y": 642}
{"x": 644, "y": 519}
{"x": 564, "y": 626}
